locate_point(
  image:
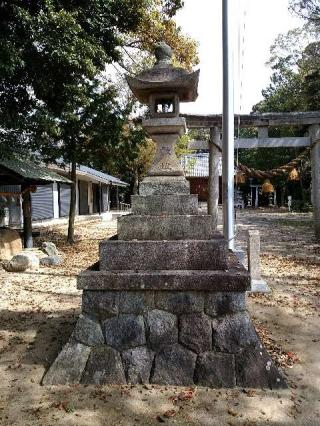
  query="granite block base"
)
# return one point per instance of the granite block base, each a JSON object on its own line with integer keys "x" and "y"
{"x": 165, "y": 337}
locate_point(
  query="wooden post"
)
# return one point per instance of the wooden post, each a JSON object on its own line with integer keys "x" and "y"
{"x": 27, "y": 218}
{"x": 117, "y": 195}
{"x": 73, "y": 196}
{"x": 314, "y": 131}
{"x": 213, "y": 181}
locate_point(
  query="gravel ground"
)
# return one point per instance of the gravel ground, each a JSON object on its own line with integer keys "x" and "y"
{"x": 39, "y": 309}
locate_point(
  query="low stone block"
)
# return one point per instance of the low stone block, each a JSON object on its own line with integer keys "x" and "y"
{"x": 88, "y": 331}
{"x": 104, "y": 367}
{"x": 174, "y": 365}
{"x": 34, "y": 262}
{"x": 215, "y": 370}
{"x": 171, "y": 227}
{"x": 162, "y": 328}
{"x": 18, "y": 263}
{"x": 233, "y": 333}
{"x": 254, "y": 265}
{"x": 153, "y": 185}
{"x": 176, "y": 204}
{"x": 137, "y": 365}
{"x": 69, "y": 365}
{"x": 179, "y": 302}
{"x": 51, "y": 260}
{"x": 195, "y": 332}
{"x": 104, "y": 304}
{"x": 180, "y": 255}
{"x": 10, "y": 243}
{"x": 255, "y": 369}
{"x": 125, "y": 331}
{"x": 22, "y": 261}
{"x": 259, "y": 286}
{"x": 49, "y": 248}
{"x": 136, "y": 302}
{"x": 225, "y": 303}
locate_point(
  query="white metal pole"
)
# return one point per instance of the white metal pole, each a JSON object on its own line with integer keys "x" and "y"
{"x": 227, "y": 126}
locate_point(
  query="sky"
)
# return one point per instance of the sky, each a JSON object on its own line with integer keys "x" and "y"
{"x": 258, "y": 22}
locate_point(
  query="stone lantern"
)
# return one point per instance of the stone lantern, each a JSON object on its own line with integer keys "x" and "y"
{"x": 166, "y": 302}
{"x": 162, "y": 88}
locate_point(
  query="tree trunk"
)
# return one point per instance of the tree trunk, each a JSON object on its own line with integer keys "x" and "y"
{"x": 27, "y": 219}
{"x": 72, "y": 211}
{"x": 282, "y": 201}
{"x": 302, "y": 190}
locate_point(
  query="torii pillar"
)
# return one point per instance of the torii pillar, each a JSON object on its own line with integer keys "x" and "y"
{"x": 314, "y": 132}
{"x": 213, "y": 184}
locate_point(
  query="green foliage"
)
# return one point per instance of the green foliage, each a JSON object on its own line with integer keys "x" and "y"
{"x": 294, "y": 86}
{"x": 295, "y": 81}
{"x": 53, "y": 97}
{"x": 181, "y": 147}
{"x": 51, "y": 53}
{"x": 307, "y": 9}
{"x": 85, "y": 133}
{"x": 199, "y": 134}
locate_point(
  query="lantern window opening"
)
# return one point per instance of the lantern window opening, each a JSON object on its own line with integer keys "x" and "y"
{"x": 164, "y": 105}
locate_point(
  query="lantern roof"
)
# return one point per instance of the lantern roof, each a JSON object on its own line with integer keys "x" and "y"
{"x": 163, "y": 77}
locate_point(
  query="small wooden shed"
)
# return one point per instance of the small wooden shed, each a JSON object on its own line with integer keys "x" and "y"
{"x": 18, "y": 170}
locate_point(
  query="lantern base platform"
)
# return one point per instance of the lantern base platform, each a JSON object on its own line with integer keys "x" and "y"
{"x": 185, "y": 324}
{"x": 180, "y": 338}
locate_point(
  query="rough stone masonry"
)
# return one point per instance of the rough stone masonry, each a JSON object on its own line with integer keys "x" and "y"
{"x": 166, "y": 303}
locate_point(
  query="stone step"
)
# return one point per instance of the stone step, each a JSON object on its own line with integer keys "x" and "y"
{"x": 158, "y": 255}
{"x": 171, "y": 227}
{"x": 235, "y": 279}
{"x": 177, "y": 204}
{"x": 152, "y": 185}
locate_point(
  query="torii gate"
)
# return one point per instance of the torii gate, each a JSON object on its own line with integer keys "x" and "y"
{"x": 263, "y": 122}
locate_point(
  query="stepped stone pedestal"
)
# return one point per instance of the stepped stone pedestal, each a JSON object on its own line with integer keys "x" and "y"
{"x": 167, "y": 311}
{"x": 166, "y": 303}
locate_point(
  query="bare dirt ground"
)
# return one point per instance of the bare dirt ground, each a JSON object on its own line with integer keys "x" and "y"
{"x": 39, "y": 309}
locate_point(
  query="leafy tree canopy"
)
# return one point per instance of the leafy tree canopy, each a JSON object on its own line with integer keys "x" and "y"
{"x": 307, "y": 9}
{"x": 54, "y": 54}
{"x": 294, "y": 86}
{"x": 295, "y": 81}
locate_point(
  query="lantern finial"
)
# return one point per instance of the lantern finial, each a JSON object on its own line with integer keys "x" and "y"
{"x": 163, "y": 53}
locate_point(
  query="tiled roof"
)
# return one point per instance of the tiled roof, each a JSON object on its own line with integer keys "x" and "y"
{"x": 103, "y": 177}
{"x": 30, "y": 170}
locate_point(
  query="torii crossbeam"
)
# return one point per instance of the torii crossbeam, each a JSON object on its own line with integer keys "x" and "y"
{"x": 308, "y": 120}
